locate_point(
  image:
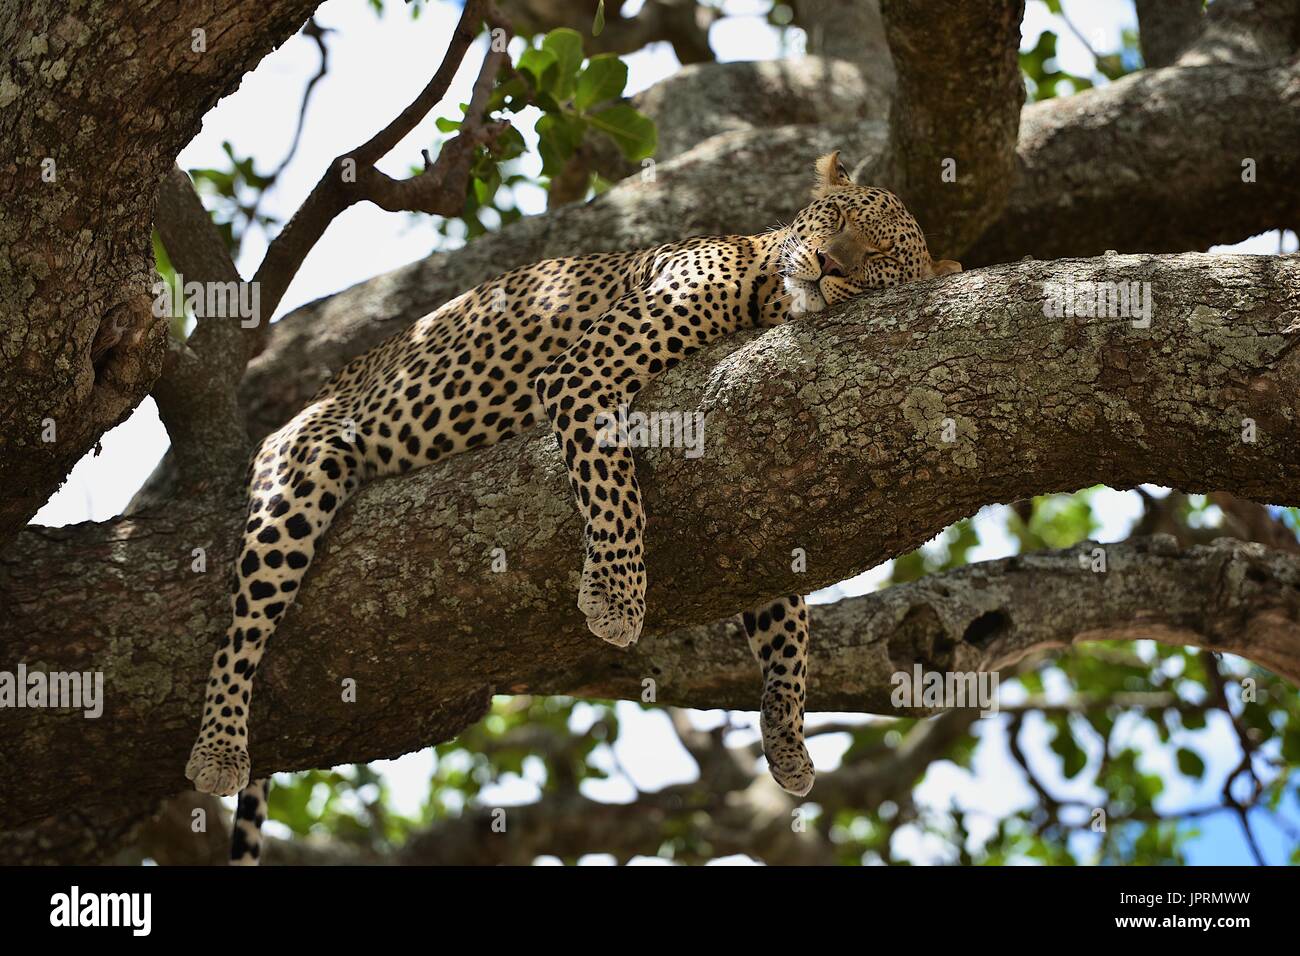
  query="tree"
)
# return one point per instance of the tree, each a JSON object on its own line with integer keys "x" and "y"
{"x": 849, "y": 439}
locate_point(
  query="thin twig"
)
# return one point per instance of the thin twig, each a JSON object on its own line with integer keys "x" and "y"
{"x": 352, "y": 178}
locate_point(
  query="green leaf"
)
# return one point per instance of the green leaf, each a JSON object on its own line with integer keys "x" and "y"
{"x": 1073, "y": 757}
{"x": 558, "y": 135}
{"x": 603, "y": 79}
{"x": 511, "y": 95}
{"x": 566, "y": 46}
{"x": 1291, "y": 743}
{"x": 221, "y": 182}
{"x": 546, "y": 103}
{"x": 1190, "y": 763}
{"x": 598, "y": 24}
{"x": 446, "y": 125}
{"x": 510, "y": 145}
{"x": 485, "y": 188}
{"x": 540, "y": 65}
{"x": 635, "y": 134}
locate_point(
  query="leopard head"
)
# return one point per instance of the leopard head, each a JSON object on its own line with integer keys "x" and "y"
{"x": 850, "y": 239}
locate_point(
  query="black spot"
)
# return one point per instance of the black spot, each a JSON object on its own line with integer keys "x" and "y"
{"x": 298, "y": 527}
{"x": 238, "y": 844}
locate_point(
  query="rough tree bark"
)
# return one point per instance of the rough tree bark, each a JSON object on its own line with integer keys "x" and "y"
{"x": 88, "y": 126}
{"x": 953, "y": 131}
{"x": 1167, "y": 27}
{"x": 825, "y": 435}
{"x": 1150, "y": 163}
{"x": 1154, "y": 162}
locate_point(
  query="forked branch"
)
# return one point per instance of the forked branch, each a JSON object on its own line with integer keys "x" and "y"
{"x": 352, "y": 178}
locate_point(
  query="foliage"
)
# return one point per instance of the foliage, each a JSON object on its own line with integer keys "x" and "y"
{"x": 1044, "y": 77}
{"x": 575, "y": 100}
{"x": 233, "y": 196}
{"x": 550, "y": 82}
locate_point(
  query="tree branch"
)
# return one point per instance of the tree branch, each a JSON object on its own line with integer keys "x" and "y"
{"x": 1246, "y": 33}
{"x": 84, "y": 142}
{"x": 955, "y": 116}
{"x": 352, "y": 177}
{"x": 1164, "y": 146}
{"x": 1166, "y": 28}
{"x": 825, "y": 435}
{"x": 682, "y": 23}
{"x": 851, "y": 31}
{"x": 1193, "y": 156}
{"x": 736, "y": 811}
{"x": 197, "y": 393}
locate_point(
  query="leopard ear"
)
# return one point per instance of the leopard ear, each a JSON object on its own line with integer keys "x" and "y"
{"x": 831, "y": 175}
{"x": 942, "y": 267}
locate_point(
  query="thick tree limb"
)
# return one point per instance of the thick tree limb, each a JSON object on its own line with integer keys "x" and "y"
{"x": 1165, "y": 593}
{"x": 1152, "y": 162}
{"x": 956, "y": 114}
{"x": 848, "y": 30}
{"x": 197, "y": 393}
{"x": 698, "y": 102}
{"x": 304, "y": 349}
{"x": 824, "y": 435}
{"x": 1218, "y": 125}
{"x": 1166, "y": 28}
{"x": 1246, "y": 32}
{"x": 706, "y": 99}
{"x": 687, "y": 196}
{"x": 1159, "y": 161}
{"x": 94, "y": 106}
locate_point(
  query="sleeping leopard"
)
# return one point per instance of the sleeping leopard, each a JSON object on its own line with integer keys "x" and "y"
{"x": 569, "y": 340}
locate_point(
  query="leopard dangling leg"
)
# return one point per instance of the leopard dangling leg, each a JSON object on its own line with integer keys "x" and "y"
{"x": 778, "y": 638}
{"x": 299, "y": 478}
{"x": 246, "y": 832}
{"x": 645, "y": 333}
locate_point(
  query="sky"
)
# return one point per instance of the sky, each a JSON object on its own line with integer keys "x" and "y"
{"x": 377, "y": 65}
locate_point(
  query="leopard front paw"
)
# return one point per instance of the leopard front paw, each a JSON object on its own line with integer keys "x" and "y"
{"x": 219, "y": 767}
{"x": 793, "y": 773}
{"x": 613, "y": 602}
{"x": 787, "y": 756}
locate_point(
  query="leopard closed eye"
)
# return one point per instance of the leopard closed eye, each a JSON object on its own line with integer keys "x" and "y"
{"x": 569, "y": 341}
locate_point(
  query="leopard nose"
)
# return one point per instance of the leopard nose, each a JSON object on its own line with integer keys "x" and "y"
{"x": 828, "y": 265}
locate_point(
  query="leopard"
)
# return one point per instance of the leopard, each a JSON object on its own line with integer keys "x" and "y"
{"x": 563, "y": 342}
